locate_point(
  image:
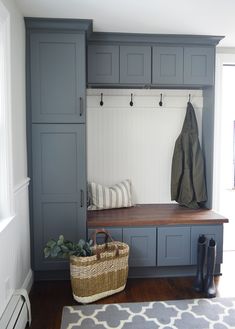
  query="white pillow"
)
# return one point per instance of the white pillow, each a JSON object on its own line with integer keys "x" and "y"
{"x": 116, "y": 196}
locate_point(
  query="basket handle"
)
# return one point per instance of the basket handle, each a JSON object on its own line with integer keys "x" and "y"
{"x": 107, "y": 236}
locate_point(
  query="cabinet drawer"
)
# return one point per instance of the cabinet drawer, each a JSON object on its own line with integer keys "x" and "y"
{"x": 173, "y": 246}
{"x": 142, "y": 242}
{"x": 103, "y": 64}
{"x": 210, "y": 231}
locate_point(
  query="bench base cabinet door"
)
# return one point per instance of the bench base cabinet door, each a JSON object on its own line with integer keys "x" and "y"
{"x": 142, "y": 243}
{"x": 116, "y": 234}
{"x": 173, "y": 246}
{"x": 210, "y": 231}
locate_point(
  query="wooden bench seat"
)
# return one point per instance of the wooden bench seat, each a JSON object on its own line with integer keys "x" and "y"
{"x": 153, "y": 214}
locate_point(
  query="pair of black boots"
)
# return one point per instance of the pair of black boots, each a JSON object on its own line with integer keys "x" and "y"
{"x": 206, "y": 284}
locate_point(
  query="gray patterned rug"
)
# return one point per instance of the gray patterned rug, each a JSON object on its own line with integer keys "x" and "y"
{"x": 216, "y": 313}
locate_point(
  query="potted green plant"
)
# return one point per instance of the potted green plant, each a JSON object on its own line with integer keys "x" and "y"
{"x": 64, "y": 248}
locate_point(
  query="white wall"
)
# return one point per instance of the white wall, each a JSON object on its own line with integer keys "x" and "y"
{"x": 136, "y": 142}
{"x": 224, "y": 192}
{"x": 15, "y": 238}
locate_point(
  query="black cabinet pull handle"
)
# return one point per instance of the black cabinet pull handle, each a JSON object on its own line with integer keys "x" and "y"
{"x": 81, "y": 198}
{"x": 81, "y": 106}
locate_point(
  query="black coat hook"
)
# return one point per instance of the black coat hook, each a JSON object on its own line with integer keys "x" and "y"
{"x": 101, "y": 99}
{"x": 160, "y": 103}
{"x": 131, "y": 102}
{"x": 189, "y": 98}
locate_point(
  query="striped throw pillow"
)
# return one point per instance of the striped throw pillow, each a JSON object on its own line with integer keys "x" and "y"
{"x": 104, "y": 197}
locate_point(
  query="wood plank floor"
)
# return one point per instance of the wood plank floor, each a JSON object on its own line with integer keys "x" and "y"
{"x": 49, "y": 297}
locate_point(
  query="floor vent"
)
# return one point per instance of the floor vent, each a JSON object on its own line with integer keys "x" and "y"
{"x": 17, "y": 313}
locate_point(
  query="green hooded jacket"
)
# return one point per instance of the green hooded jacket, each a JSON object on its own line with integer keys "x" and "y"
{"x": 188, "y": 185}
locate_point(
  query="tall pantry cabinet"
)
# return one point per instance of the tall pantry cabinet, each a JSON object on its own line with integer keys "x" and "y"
{"x": 56, "y": 102}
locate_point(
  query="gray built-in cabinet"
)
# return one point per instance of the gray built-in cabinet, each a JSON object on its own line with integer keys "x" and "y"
{"x": 146, "y": 65}
{"x": 58, "y": 77}
{"x": 63, "y": 58}
{"x": 166, "y": 246}
{"x": 59, "y": 186}
{"x": 56, "y": 139}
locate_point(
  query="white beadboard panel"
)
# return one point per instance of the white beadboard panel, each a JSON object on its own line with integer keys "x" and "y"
{"x": 136, "y": 142}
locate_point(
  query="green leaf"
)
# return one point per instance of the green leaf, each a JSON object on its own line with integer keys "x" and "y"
{"x": 61, "y": 240}
{"x": 55, "y": 251}
{"x": 64, "y": 248}
{"x": 81, "y": 243}
{"x": 51, "y": 243}
{"x": 47, "y": 252}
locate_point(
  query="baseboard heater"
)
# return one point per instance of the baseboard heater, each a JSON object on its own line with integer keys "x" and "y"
{"x": 17, "y": 314}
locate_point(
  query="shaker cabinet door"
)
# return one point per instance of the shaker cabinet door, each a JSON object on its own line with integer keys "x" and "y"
{"x": 103, "y": 64}
{"x": 210, "y": 231}
{"x": 58, "y": 77}
{"x": 142, "y": 243}
{"x": 59, "y": 188}
{"x": 199, "y": 63}
{"x": 167, "y": 65}
{"x": 173, "y": 246}
{"x": 135, "y": 64}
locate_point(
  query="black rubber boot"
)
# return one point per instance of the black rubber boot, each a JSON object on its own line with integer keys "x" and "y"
{"x": 198, "y": 284}
{"x": 209, "y": 285}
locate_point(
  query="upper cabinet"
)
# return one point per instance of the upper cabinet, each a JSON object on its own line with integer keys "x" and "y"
{"x": 110, "y": 64}
{"x": 58, "y": 77}
{"x": 199, "y": 63}
{"x": 146, "y": 66}
{"x": 135, "y": 64}
{"x": 168, "y": 63}
{"x": 103, "y": 64}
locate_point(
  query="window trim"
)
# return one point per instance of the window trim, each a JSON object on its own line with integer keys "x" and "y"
{"x": 6, "y": 165}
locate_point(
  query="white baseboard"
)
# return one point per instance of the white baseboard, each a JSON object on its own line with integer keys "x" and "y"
{"x": 28, "y": 282}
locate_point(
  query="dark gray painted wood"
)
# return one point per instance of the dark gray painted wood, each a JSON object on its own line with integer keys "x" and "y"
{"x": 150, "y": 39}
{"x": 208, "y": 140}
{"x": 135, "y": 64}
{"x": 58, "y": 77}
{"x": 173, "y": 246}
{"x": 59, "y": 187}
{"x": 199, "y": 65}
{"x": 103, "y": 64}
{"x": 210, "y": 231}
{"x": 116, "y": 234}
{"x": 142, "y": 243}
{"x": 167, "y": 65}
{"x": 52, "y": 24}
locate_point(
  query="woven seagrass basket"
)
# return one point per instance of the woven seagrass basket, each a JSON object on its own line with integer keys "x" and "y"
{"x": 101, "y": 275}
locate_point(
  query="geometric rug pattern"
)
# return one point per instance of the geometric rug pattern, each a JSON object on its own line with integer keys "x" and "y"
{"x": 216, "y": 313}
